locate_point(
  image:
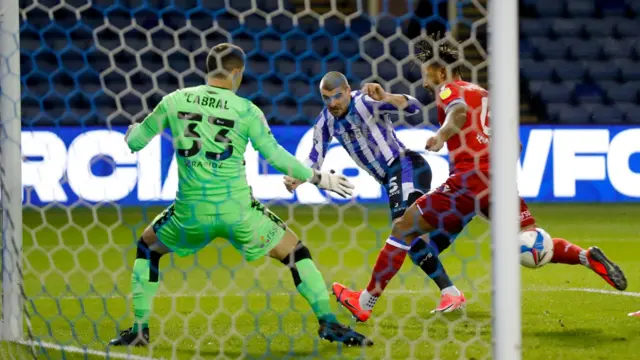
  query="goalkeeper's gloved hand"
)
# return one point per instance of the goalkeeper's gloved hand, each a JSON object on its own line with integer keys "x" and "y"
{"x": 339, "y": 184}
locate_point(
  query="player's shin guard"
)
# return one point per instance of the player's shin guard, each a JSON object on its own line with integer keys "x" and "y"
{"x": 425, "y": 255}
{"x": 309, "y": 282}
{"x": 144, "y": 284}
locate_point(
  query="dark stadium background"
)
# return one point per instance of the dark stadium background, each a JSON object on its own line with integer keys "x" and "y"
{"x": 88, "y": 66}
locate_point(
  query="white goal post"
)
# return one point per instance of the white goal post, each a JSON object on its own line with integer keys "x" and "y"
{"x": 10, "y": 172}
{"x": 504, "y": 86}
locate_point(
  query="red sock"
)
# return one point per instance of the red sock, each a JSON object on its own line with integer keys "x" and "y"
{"x": 387, "y": 266}
{"x": 565, "y": 252}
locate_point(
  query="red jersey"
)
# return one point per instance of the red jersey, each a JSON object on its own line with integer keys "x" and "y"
{"x": 471, "y": 144}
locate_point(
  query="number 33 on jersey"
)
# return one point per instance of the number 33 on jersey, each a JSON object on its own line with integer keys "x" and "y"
{"x": 211, "y": 128}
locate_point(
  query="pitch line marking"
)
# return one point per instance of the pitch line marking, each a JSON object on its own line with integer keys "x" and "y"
{"x": 117, "y": 355}
{"x": 85, "y": 351}
{"x": 606, "y": 292}
{"x": 165, "y": 295}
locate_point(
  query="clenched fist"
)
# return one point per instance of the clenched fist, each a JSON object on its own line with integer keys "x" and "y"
{"x": 435, "y": 143}
{"x": 375, "y": 91}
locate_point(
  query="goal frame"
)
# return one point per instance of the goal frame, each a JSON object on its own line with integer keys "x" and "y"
{"x": 12, "y": 328}
{"x": 504, "y": 86}
{"x": 503, "y": 72}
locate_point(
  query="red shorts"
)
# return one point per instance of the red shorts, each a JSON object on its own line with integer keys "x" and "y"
{"x": 453, "y": 204}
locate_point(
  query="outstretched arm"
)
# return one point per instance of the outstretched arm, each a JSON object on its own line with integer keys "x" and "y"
{"x": 322, "y": 135}
{"x": 378, "y": 99}
{"x": 263, "y": 141}
{"x": 139, "y": 135}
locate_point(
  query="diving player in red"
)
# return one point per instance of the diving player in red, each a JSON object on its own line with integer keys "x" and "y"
{"x": 463, "y": 113}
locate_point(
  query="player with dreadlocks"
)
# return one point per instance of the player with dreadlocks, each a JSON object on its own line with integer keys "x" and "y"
{"x": 464, "y": 116}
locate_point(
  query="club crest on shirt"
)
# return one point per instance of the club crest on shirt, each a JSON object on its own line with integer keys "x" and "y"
{"x": 445, "y": 92}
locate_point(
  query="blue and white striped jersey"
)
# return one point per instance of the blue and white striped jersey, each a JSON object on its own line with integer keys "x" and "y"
{"x": 369, "y": 139}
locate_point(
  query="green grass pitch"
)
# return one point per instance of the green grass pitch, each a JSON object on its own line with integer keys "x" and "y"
{"x": 214, "y": 305}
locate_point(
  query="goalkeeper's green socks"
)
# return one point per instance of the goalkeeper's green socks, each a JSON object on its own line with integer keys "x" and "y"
{"x": 314, "y": 290}
{"x": 309, "y": 282}
{"x": 144, "y": 285}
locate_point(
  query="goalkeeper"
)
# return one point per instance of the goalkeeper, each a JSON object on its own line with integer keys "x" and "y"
{"x": 211, "y": 127}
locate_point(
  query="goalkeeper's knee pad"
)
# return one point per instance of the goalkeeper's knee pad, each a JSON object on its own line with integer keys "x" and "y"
{"x": 300, "y": 252}
{"x": 145, "y": 253}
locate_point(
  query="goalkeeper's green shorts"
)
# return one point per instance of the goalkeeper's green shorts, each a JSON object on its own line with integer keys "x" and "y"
{"x": 253, "y": 230}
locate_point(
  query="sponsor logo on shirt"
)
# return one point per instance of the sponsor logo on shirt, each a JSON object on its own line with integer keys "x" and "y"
{"x": 445, "y": 93}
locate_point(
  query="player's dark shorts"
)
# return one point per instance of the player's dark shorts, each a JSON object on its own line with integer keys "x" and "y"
{"x": 453, "y": 204}
{"x": 408, "y": 178}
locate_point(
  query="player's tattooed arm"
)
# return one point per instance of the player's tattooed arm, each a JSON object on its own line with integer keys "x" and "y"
{"x": 453, "y": 123}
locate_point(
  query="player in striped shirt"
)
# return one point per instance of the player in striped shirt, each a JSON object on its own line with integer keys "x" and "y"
{"x": 359, "y": 121}
{"x": 464, "y": 118}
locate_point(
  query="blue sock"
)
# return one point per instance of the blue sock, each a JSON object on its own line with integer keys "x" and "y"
{"x": 425, "y": 255}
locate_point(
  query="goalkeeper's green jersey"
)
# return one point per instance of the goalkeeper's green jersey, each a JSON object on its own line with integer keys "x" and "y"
{"x": 211, "y": 128}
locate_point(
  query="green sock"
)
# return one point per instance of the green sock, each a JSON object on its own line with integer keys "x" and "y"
{"x": 143, "y": 292}
{"x": 313, "y": 289}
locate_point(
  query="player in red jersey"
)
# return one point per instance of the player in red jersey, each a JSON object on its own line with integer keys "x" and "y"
{"x": 463, "y": 111}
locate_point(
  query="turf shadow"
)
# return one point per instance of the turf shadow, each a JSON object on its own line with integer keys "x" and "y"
{"x": 251, "y": 355}
{"x": 576, "y": 337}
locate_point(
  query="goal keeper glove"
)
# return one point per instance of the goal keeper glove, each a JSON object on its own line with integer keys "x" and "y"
{"x": 339, "y": 184}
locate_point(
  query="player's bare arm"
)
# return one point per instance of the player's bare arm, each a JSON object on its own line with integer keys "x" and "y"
{"x": 455, "y": 120}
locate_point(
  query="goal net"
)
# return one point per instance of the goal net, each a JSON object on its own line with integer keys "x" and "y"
{"x": 88, "y": 69}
